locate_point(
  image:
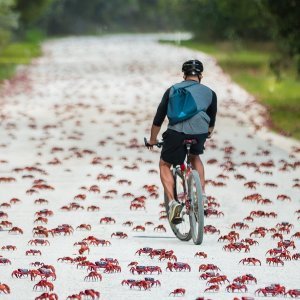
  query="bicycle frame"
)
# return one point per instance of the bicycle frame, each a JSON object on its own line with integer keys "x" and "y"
{"x": 185, "y": 170}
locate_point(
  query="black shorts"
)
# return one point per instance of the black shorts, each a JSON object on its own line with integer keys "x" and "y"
{"x": 173, "y": 150}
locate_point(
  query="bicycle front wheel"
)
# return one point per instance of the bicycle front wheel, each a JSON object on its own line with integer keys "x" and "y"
{"x": 182, "y": 230}
{"x": 196, "y": 209}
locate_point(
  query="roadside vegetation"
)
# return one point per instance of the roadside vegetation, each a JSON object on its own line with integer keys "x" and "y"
{"x": 19, "y": 53}
{"x": 257, "y": 42}
{"x": 250, "y": 66}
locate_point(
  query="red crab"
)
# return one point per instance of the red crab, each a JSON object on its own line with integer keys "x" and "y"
{"x": 236, "y": 247}
{"x": 44, "y": 284}
{"x": 40, "y": 242}
{"x": 107, "y": 220}
{"x": 274, "y": 261}
{"x": 239, "y": 225}
{"x": 207, "y": 267}
{"x": 178, "y": 266}
{"x": 283, "y": 197}
{"x": 152, "y": 281}
{"x": 4, "y": 261}
{"x": 236, "y": 286}
{"x": 141, "y": 284}
{"x": 139, "y": 228}
{"x": 6, "y": 224}
{"x": 41, "y": 201}
{"x": 251, "y": 184}
{"x": 213, "y": 212}
{"x": 286, "y": 244}
{"x": 128, "y": 223}
{"x": 156, "y": 252}
{"x": 177, "y": 292}
{"x": 296, "y": 256}
{"x": 4, "y": 288}
{"x": 149, "y": 223}
{"x": 9, "y": 248}
{"x": 89, "y": 293}
{"x": 249, "y": 241}
{"x": 160, "y": 228}
{"x": 200, "y": 254}
{"x": 296, "y": 235}
{"x": 33, "y": 252}
{"x": 119, "y": 234}
{"x": 145, "y": 250}
{"x": 84, "y": 227}
{"x": 250, "y": 260}
{"x": 136, "y": 206}
{"x": 258, "y": 233}
{"x": 272, "y": 290}
{"x": 247, "y": 278}
{"x": 15, "y": 230}
{"x": 208, "y": 275}
{"x": 295, "y": 293}
{"x": 219, "y": 279}
{"x": 93, "y": 208}
{"x": 47, "y": 296}
{"x": 277, "y": 235}
{"x": 168, "y": 255}
{"x": 93, "y": 276}
{"x": 227, "y": 237}
{"x": 212, "y": 288}
{"x": 277, "y": 251}
{"x": 211, "y": 229}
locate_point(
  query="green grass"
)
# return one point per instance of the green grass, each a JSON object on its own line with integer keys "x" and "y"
{"x": 17, "y": 53}
{"x": 248, "y": 65}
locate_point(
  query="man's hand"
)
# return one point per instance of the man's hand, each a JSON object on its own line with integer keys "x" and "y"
{"x": 210, "y": 131}
{"x": 151, "y": 143}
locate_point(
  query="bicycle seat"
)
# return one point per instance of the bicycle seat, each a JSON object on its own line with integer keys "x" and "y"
{"x": 190, "y": 141}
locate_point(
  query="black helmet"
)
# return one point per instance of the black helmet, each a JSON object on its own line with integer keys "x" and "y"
{"x": 192, "y": 67}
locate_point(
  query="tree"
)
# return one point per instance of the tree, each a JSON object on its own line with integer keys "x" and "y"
{"x": 286, "y": 28}
{"x": 226, "y": 19}
{"x": 8, "y": 21}
{"x": 30, "y": 10}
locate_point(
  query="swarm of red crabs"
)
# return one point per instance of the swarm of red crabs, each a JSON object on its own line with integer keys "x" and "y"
{"x": 92, "y": 195}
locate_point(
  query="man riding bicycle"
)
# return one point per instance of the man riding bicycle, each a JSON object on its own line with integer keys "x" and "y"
{"x": 200, "y": 127}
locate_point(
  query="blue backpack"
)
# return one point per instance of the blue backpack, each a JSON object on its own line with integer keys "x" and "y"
{"x": 182, "y": 105}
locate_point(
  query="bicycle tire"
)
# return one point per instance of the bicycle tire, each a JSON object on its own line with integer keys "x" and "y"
{"x": 179, "y": 231}
{"x": 197, "y": 209}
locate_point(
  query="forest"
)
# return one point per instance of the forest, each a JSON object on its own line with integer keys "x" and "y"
{"x": 257, "y": 42}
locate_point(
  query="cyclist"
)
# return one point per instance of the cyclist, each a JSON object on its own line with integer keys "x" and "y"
{"x": 199, "y": 127}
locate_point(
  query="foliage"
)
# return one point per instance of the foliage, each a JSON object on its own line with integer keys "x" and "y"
{"x": 286, "y": 16}
{"x": 15, "y": 54}
{"x": 248, "y": 66}
{"x": 226, "y": 19}
{"x": 30, "y": 10}
{"x": 81, "y": 17}
{"x": 8, "y": 21}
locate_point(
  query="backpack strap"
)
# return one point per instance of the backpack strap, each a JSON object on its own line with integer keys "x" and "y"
{"x": 172, "y": 89}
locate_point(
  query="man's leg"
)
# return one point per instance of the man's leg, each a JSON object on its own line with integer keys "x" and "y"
{"x": 168, "y": 183}
{"x": 198, "y": 166}
{"x": 167, "y": 179}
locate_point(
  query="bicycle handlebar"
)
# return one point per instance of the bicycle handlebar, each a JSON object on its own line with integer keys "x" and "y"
{"x": 158, "y": 144}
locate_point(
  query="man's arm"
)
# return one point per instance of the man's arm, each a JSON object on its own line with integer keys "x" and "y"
{"x": 154, "y": 133}
{"x": 212, "y": 112}
{"x": 159, "y": 117}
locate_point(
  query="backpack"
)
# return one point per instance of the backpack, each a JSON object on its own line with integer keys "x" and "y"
{"x": 182, "y": 105}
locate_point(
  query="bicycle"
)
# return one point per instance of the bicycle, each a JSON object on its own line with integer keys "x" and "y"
{"x": 188, "y": 192}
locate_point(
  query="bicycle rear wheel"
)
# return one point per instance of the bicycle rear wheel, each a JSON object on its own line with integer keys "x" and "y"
{"x": 196, "y": 209}
{"x": 182, "y": 230}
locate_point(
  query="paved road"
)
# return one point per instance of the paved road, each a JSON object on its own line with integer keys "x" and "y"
{"x": 78, "y": 115}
